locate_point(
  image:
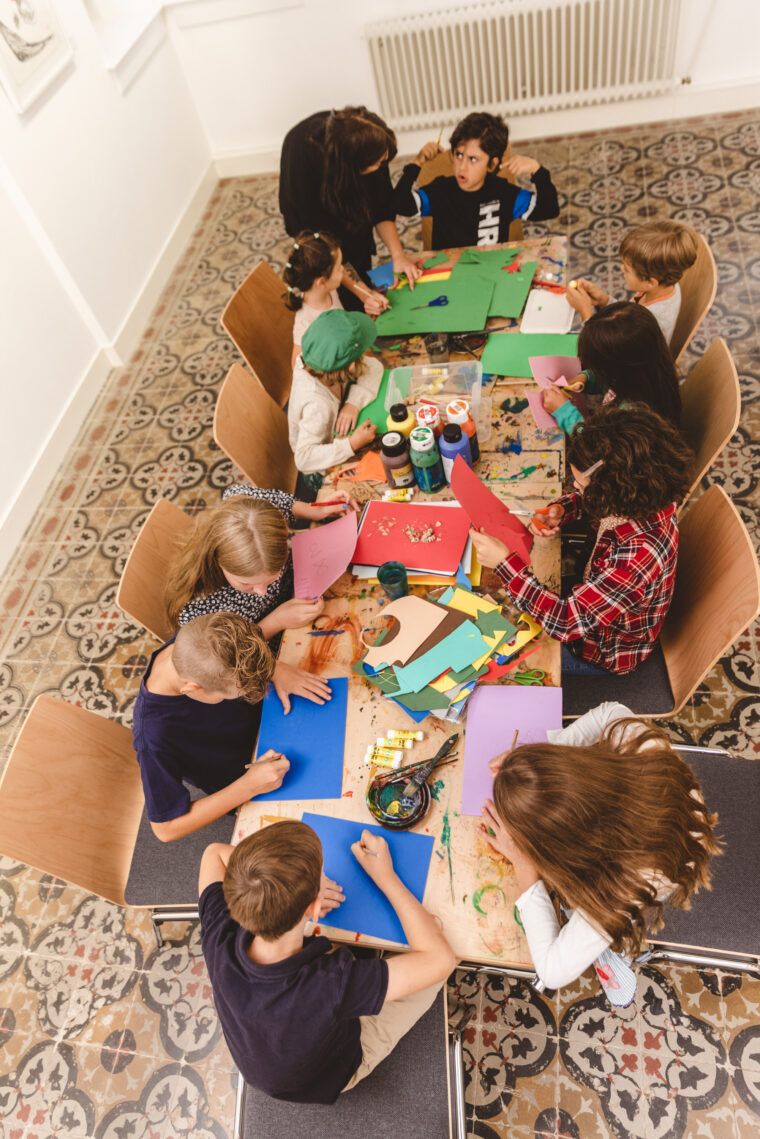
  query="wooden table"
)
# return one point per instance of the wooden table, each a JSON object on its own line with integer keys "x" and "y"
{"x": 470, "y": 888}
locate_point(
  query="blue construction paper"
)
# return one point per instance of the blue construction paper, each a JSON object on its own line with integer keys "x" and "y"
{"x": 313, "y": 737}
{"x": 366, "y": 909}
{"x": 463, "y": 579}
{"x": 382, "y": 276}
{"x": 418, "y": 717}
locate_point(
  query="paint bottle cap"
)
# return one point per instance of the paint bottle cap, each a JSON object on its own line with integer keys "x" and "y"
{"x": 422, "y": 438}
{"x": 393, "y": 443}
{"x": 458, "y": 411}
{"x": 428, "y": 415}
{"x": 452, "y": 433}
{"x": 399, "y": 413}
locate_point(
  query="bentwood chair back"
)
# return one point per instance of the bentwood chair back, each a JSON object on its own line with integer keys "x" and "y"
{"x": 261, "y": 325}
{"x": 442, "y": 166}
{"x": 252, "y": 430}
{"x": 710, "y": 406}
{"x": 142, "y": 589}
{"x": 698, "y": 287}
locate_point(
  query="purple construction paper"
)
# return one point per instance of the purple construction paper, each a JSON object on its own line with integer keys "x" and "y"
{"x": 548, "y": 369}
{"x": 544, "y": 420}
{"x": 493, "y": 714}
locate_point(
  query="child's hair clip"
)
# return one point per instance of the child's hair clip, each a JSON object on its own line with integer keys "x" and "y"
{"x": 288, "y": 265}
{"x": 316, "y": 237}
{"x": 296, "y": 245}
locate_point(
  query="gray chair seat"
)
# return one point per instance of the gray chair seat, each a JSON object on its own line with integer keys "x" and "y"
{"x": 165, "y": 874}
{"x": 646, "y": 691}
{"x": 406, "y": 1095}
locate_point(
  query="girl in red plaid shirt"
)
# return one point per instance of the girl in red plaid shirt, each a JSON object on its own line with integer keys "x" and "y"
{"x": 630, "y": 472}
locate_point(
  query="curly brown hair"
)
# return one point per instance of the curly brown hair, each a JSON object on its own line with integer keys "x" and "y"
{"x": 223, "y": 652}
{"x": 645, "y": 462}
{"x": 605, "y": 824}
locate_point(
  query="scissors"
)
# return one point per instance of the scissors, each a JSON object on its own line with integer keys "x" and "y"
{"x": 533, "y": 515}
{"x": 533, "y": 677}
{"x": 438, "y": 302}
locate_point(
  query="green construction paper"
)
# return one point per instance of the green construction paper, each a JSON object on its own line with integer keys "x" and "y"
{"x": 424, "y": 701}
{"x": 467, "y": 310}
{"x": 459, "y": 649}
{"x": 488, "y": 257}
{"x": 494, "y": 622}
{"x": 470, "y": 673}
{"x": 376, "y": 410}
{"x": 510, "y": 289}
{"x": 438, "y": 259}
{"x": 507, "y": 353}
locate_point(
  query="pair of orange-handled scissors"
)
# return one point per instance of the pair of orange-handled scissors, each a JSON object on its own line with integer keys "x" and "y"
{"x": 533, "y": 515}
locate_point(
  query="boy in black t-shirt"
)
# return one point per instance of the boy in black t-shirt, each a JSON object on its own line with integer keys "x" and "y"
{"x": 290, "y": 1008}
{"x": 196, "y": 717}
{"x": 475, "y": 206}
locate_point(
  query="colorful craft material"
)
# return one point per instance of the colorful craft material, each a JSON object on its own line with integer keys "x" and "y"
{"x": 487, "y": 512}
{"x": 322, "y": 554}
{"x": 312, "y": 738}
{"x": 424, "y": 537}
{"x": 508, "y": 353}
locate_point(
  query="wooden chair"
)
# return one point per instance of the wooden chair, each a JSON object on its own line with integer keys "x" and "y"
{"x": 259, "y": 322}
{"x": 711, "y": 404}
{"x": 71, "y": 805}
{"x": 698, "y": 287}
{"x": 442, "y": 166}
{"x": 716, "y": 596}
{"x": 144, "y": 579}
{"x": 417, "y": 1092}
{"x": 252, "y": 430}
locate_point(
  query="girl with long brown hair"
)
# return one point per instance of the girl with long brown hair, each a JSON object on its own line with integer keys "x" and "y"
{"x": 607, "y": 821}
{"x": 238, "y": 561}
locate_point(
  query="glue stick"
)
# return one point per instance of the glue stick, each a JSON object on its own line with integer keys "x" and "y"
{"x": 379, "y": 759}
{"x": 389, "y": 743}
{"x": 385, "y": 753}
{"x": 403, "y": 734}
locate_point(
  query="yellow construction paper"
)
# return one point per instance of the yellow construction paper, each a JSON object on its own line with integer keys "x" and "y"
{"x": 443, "y": 683}
{"x": 468, "y": 603}
{"x": 523, "y": 636}
{"x": 476, "y": 570}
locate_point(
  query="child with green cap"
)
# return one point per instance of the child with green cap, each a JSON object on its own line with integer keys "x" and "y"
{"x": 332, "y": 381}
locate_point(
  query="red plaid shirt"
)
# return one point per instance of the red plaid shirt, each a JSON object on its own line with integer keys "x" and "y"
{"x": 618, "y": 612}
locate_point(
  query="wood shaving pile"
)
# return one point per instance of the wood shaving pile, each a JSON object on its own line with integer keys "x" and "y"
{"x": 426, "y": 535}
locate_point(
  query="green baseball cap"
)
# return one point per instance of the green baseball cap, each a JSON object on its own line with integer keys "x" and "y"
{"x": 337, "y": 338}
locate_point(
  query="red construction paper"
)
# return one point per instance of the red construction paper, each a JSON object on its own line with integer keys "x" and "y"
{"x": 487, "y": 512}
{"x": 322, "y": 554}
{"x": 383, "y": 538}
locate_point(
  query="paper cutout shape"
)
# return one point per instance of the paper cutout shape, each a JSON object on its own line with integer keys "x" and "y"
{"x": 547, "y": 312}
{"x": 387, "y": 531}
{"x": 417, "y": 620}
{"x": 322, "y": 554}
{"x": 376, "y": 410}
{"x": 545, "y": 421}
{"x": 547, "y": 370}
{"x": 436, "y": 259}
{"x": 487, "y": 512}
{"x": 366, "y": 909}
{"x": 493, "y": 714}
{"x": 507, "y": 353}
{"x": 312, "y": 737}
{"x": 370, "y": 468}
{"x": 382, "y": 276}
{"x": 511, "y": 288}
{"x": 459, "y": 649}
{"x": 467, "y": 308}
{"x": 527, "y": 629}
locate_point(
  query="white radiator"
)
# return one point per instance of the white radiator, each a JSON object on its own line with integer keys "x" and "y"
{"x": 516, "y": 57}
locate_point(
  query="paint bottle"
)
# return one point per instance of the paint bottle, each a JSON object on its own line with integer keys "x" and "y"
{"x": 426, "y": 460}
{"x": 428, "y": 415}
{"x": 454, "y": 442}
{"x": 458, "y": 411}
{"x": 394, "y": 451}
{"x": 401, "y": 418}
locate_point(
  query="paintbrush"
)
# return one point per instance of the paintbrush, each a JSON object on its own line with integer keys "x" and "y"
{"x": 392, "y": 776}
{"x": 421, "y": 776}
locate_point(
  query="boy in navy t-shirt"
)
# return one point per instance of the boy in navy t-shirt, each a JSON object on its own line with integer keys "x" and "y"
{"x": 290, "y": 1008}
{"x": 475, "y": 206}
{"x": 196, "y": 718}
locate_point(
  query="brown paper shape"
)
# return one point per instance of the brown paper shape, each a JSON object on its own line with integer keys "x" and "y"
{"x": 417, "y": 619}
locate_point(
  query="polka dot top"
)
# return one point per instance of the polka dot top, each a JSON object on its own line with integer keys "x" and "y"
{"x": 249, "y": 605}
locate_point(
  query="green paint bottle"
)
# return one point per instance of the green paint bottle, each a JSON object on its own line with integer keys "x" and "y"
{"x": 426, "y": 460}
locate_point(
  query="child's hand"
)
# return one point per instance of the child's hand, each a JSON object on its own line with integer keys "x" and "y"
{"x": 519, "y": 164}
{"x": 346, "y": 421}
{"x": 297, "y": 612}
{"x": 551, "y": 519}
{"x": 266, "y": 774}
{"x": 552, "y": 398}
{"x": 410, "y": 266}
{"x": 330, "y": 896}
{"x": 499, "y": 837}
{"x": 316, "y": 511}
{"x": 428, "y": 152}
{"x": 373, "y": 855}
{"x": 578, "y": 383}
{"x": 491, "y": 552}
{"x": 291, "y": 681}
{"x": 364, "y": 434}
{"x": 375, "y": 303}
{"x": 597, "y": 295}
{"x": 578, "y": 298}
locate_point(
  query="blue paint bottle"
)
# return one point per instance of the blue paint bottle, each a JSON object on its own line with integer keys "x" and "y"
{"x": 454, "y": 442}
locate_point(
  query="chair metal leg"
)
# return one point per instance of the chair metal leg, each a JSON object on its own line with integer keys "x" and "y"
{"x": 237, "y": 1126}
{"x": 456, "y": 1067}
{"x": 181, "y": 913}
{"x": 530, "y": 976}
{"x": 706, "y": 960}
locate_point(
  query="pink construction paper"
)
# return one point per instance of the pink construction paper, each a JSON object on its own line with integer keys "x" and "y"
{"x": 385, "y": 536}
{"x": 322, "y": 554}
{"x": 493, "y": 714}
{"x": 544, "y": 421}
{"x": 548, "y": 369}
{"x": 486, "y": 511}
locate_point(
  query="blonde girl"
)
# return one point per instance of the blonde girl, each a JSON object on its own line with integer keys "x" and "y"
{"x": 238, "y": 561}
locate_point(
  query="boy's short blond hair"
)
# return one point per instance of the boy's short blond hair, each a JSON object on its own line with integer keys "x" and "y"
{"x": 272, "y": 877}
{"x": 224, "y": 652}
{"x": 661, "y": 251}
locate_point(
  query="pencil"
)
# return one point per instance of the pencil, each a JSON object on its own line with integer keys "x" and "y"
{"x": 438, "y": 140}
{"x": 367, "y": 851}
{"x": 514, "y": 739}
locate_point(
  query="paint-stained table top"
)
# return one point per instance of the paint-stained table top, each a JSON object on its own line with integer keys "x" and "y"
{"x": 470, "y": 887}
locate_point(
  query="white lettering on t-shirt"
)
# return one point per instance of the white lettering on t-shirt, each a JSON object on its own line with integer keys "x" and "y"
{"x": 488, "y": 223}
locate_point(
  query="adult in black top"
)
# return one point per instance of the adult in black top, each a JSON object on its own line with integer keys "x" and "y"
{"x": 334, "y": 176}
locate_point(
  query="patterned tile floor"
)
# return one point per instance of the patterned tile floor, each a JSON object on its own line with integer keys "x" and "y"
{"x": 102, "y": 1034}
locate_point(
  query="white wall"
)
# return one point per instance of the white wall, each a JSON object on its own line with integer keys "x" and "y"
{"x": 95, "y": 180}
{"x": 257, "y": 72}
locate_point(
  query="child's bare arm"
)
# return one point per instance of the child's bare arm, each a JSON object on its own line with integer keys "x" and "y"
{"x": 213, "y": 864}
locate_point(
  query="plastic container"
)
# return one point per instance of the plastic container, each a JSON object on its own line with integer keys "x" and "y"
{"x": 458, "y": 411}
{"x": 440, "y": 384}
{"x": 401, "y": 418}
{"x": 426, "y": 460}
{"x": 394, "y": 452}
{"x": 454, "y": 442}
